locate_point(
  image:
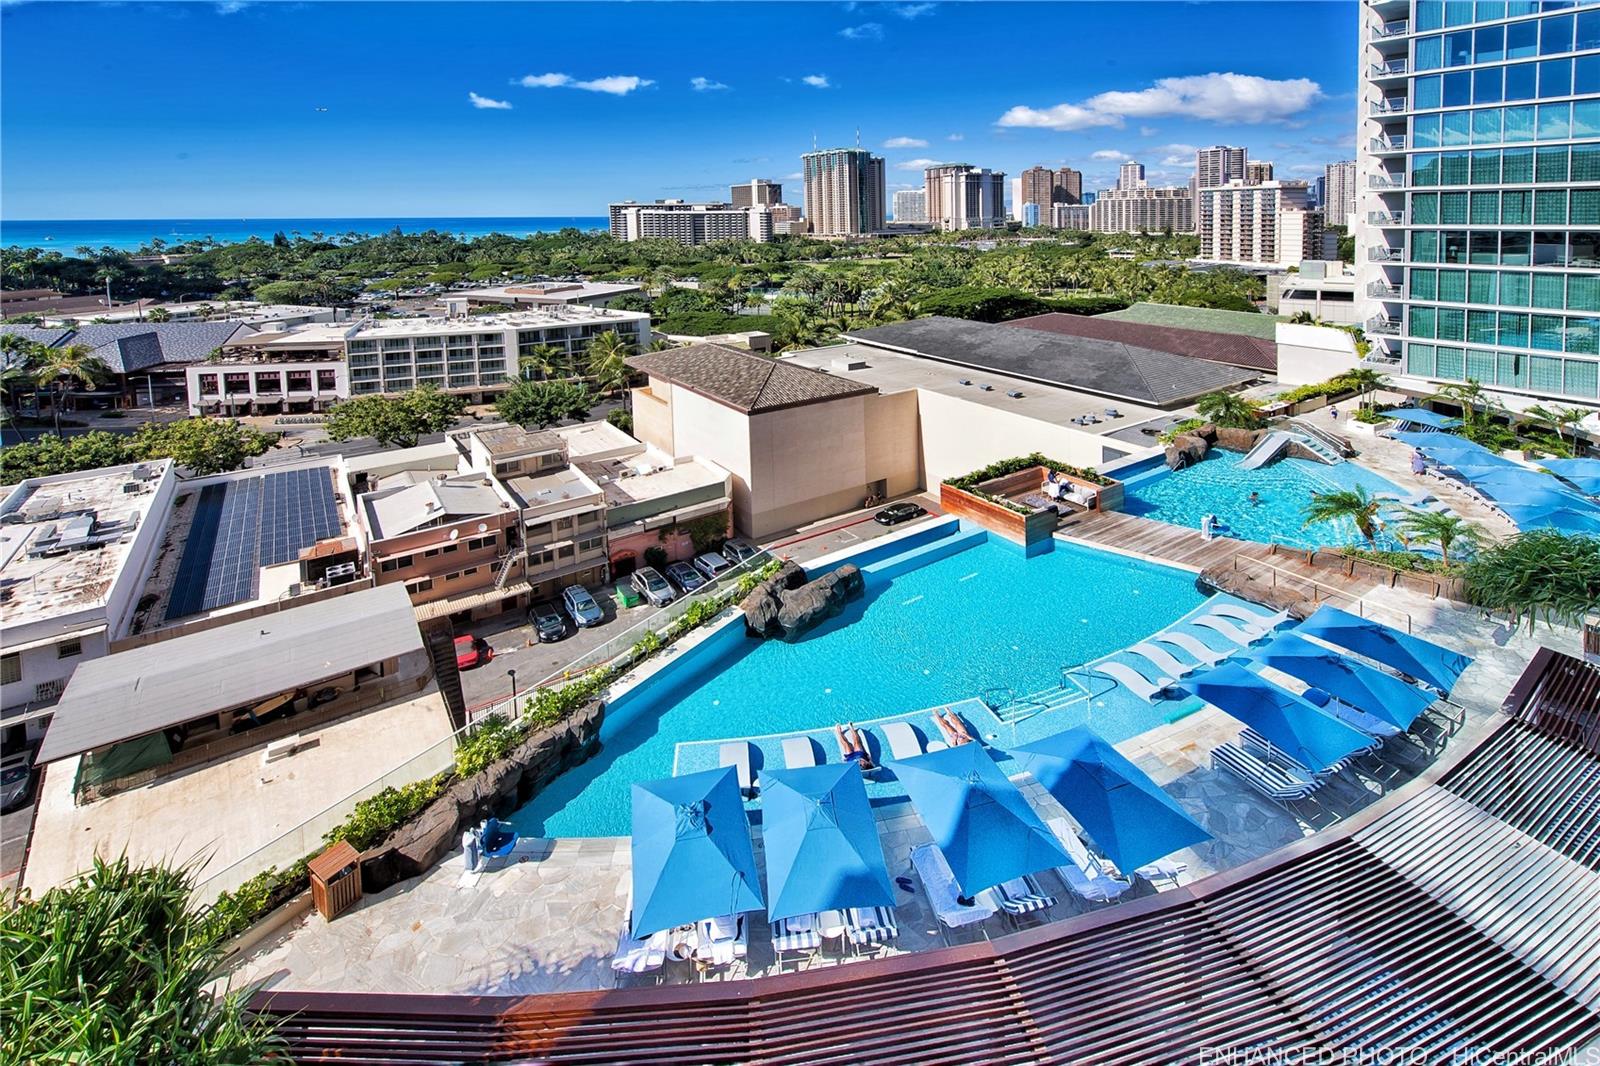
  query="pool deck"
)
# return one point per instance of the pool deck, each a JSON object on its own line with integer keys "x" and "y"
{"x": 549, "y": 920}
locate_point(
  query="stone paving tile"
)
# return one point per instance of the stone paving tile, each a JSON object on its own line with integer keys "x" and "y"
{"x": 550, "y": 923}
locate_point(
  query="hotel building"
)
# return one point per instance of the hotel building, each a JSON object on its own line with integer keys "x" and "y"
{"x": 844, "y": 191}
{"x": 757, "y": 192}
{"x": 1478, "y": 237}
{"x": 687, "y": 223}
{"x": 1143, "y": 209}
{"x": 1265, "y": 223}
{"x": 1338, "y": 200}
{"x": 965, "y": 197}
{"x": 911, "y": 205}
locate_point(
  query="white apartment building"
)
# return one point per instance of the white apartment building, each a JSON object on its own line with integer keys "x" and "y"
{"x": 960, "y": 196}
{"x": 1478, "y": 211}
{"x": 1265, "y": 223}
{"x": 1130, "y": 176}
{"x": 1070, "y": 216}
{"x": 911, "y": 205}
{"x": 1143, "y": 209}
{"x": 844, "y": 189}
{"x": 690, "y": 223}
{"x": 1339, "y": 193}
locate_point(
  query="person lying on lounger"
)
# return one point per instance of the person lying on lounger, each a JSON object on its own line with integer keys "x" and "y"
{"x": 952, "y": 728}
{"x": 853, "y": 746}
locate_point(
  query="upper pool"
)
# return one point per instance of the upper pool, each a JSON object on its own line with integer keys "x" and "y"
{"x": 985, "y": 617}
{"x": 1216, "y": 485}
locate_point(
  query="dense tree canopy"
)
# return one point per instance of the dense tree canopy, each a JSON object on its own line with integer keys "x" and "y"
{"x": 201, "y": 445}
{"x": 543, "y": 403}
{"x": 394, "y": 421}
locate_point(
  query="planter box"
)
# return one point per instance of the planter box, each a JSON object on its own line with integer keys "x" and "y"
{"x": 1024, "y": 529}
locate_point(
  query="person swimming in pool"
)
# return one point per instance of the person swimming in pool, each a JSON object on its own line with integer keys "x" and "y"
{"x": 853, "y": 746}
{"x": 1255, "y": 499}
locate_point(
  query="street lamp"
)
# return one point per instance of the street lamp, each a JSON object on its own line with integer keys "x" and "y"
{"x": 512, "y": 674}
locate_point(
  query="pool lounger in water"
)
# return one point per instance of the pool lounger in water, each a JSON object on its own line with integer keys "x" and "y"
{"x": 1135, "y": 682}
{"x": 736, "y": 753}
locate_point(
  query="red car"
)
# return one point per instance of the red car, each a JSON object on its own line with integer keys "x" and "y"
{"x": 472, "y": 651}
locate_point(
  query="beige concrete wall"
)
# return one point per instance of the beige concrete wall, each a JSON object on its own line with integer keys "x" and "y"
{"x": 1310, "y": 354}
{"x": 894, "y": 441}
{"x": 959, "y": 437}
{"x": 652, "y": 415}
{"x": 712, "y": 431}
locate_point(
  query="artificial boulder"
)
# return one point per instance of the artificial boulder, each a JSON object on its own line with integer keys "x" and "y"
{"x": 1238, "y": 440}
{"x": 816, "y": 601}
{"x": 765, "y": 601}
{"x": 1186, "y": 449}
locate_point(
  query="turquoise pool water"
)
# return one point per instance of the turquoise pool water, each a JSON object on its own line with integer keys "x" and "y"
{"x": 985, "y": 617}
{"x": 1217, "y": 486}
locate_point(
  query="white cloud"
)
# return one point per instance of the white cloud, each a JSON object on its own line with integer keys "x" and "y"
{"x": 1148, "y": 131}
{"x": 817, "y": 81}
{"x": 1237, "y": 98}
{"x": 1111, "y": 155}
{"x": 615, "y": 85}
{"x": 705, "y": 85}
{"x": 1178, "y": 155}
{"x": 918, "y": 164}
{"x": 905, "y": 142}
{"x": 484, "y": 103}
{"x": 912, "y": 11}
{"x": 232, "y": 7}
{"x": 1307, "y": 168}
{"x": 956, "y": 137}
{"x": 796, "y": 176}
{"x": 867, "y": 31}
{"x": 1059, "y": 117}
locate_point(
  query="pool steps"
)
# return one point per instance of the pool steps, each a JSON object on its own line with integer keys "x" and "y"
{"x": 904, "y": 562}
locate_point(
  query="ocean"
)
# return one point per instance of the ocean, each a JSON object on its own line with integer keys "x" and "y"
{"x": 127, "y": 234}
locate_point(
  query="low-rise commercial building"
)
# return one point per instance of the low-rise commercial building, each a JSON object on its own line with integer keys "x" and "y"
{"x": 147, "y": 361}
{"x": 537, "y": 294}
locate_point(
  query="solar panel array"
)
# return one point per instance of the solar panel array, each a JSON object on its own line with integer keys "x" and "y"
{"x": 241, "y": 526}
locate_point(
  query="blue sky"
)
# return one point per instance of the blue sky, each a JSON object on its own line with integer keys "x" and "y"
{"x": 153, "y": 110}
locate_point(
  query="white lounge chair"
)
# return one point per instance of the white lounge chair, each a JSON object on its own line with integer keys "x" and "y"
{"x": 943, "y": 894}
{"x": 722, "y": 940}
{"x": 1163, "y": 661}
{"x": 1163, "y": 871}
{"x": 904, "y": 743}
{"x": 1184, "y": 642}
{"x": 1355, "y": 717}
{"x": 1091, "y": 880}
{"x": 736, "y": 753}
{"x": 1133, "y": 681}
{"x": 1254, "y": 621}
{"x": 799, "y": 752}
{"x": 1242, "y": 637}
{"x": 636, "y": 955}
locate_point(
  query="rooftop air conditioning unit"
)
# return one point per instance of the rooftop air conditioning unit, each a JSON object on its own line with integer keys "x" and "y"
{"x": 986, "y": 388}
{"x": 1014, "y": 394}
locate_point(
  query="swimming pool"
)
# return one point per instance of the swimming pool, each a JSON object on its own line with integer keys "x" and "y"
{"x": 985, "y": 617}
{"x": 1217, "y": 485}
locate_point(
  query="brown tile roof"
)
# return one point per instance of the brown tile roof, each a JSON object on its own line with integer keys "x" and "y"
{"x": 742, "y": 380}
{"x": 1252, "y": 353}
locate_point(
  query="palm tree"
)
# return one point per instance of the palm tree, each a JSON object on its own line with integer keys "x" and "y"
{"x": 1356, "y": 505}
{"x": 1558, "y": 418}
{"x": 55, "y": 368}
{"x": 662, "y": 345}
{"x": 158, "y": 314}
{"x": 1432, "y": 527}
{"x": 18, "y": 357}
{"x": 546, "y": 360}
{"x": 607, "y": 365}
{"x": 1228, "y": 409}
{"x": 1468, "y": 395}
{"x": 1365, "y": 381}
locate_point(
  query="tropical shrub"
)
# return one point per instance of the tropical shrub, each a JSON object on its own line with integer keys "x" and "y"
{"x": 377, "y": 816}
{"x": 1541, "y": 575}
{"x": 492, "y": 741}
{"x": 1178, "y": 429}
{"x": 981, "y": 305}
{"x": 1228, "y": 409}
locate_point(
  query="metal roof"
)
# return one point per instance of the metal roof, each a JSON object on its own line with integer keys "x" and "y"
{"x": 1455, "y": 920}
{"x": 1234, "y": 349}
{"x": 742, "y": 380}
{"x": 1106, "y": 367}
{"x": 140, "y": 691}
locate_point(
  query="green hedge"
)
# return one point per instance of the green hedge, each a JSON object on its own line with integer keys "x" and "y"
{"x": 1333, "y": 388}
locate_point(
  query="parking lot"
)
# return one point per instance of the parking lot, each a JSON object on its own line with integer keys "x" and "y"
{"x": 516, "y": 647}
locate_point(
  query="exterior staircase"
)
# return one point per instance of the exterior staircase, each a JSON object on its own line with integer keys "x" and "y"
{"x": 504, "y": 573}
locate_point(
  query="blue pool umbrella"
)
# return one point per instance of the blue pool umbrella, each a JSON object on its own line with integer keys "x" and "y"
{"x": 1130, "y": 818}
{"x": 1422, "y": 659}
{"x": 1583, "y": 474}
{"x": 1379, "y": 694}
{"x": 1419, "y": 416}
{"x": 692, "y": 857}
{"x": 1523, "y": 487}
{"x": 1452, "y": 450}
{"x": 822, "y": 842}
{"x": 984, "y": 826}
{"x": 1294, "y": 726}
{"x": 1566, "y": 519}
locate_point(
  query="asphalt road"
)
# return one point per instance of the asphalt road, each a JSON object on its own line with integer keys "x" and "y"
{"x": 13, "y": 842}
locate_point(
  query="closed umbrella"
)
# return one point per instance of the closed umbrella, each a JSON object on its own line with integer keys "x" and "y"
{"x": 1373, "y": 691}
{"x": 1294, "y": 726}
{"x": 1131, "y": 819}
{"x": 1413, "y": 656}
{"x": 821, "y": 842}
{"x": 982, "y": 824}
{"x": 692, "y": 857}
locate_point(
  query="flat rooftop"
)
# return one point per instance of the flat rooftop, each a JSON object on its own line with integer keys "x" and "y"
{"x": 514, "y": 440}
{"x": 597, "y": 440}
{"x": 1110, "y": 369}
{"x": 624, "y": 486}
{"x": 1232, "y": 349}
{"x": 557, "y": 315}
{"x": 65, "y": 539}
{"x": 542, "y": 292}
{"x": 561, "y": 486}
{"x": 399, "y": 509}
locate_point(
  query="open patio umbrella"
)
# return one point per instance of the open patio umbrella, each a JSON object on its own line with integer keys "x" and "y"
{"x": 1421, "y": 416}
{"x": 1577, "y": 519}
{"x": 1379, "y": 694}
{"x": 1130, "y": 818}
{"x": 984, "y": 826}
{"x": 1452, "y": 450}
{"x": 692, "y": 857}
{"x": 1296, "y": 727}
{"x": 822, "y": 842}
{"x": 1422, "y": 659}
{"x": 1523, "y": 487}
{"x": 1582, "y": 474}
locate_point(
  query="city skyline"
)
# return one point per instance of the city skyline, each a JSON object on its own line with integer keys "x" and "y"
{"x": 341, "y": 138}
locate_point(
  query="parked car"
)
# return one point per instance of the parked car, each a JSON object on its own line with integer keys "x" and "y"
{"x": 472, "y": 651}
{"x": 581, "y": 605}
{"x": 653, "y": 587}
{"x": 549, "y": 624}
{"x": 686, "y": 577}
{"x": 896, "y": 513}
{"x": 16, "y": 784}
{"x": 712, "y": 565}
{"x": 737, "y": 550}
